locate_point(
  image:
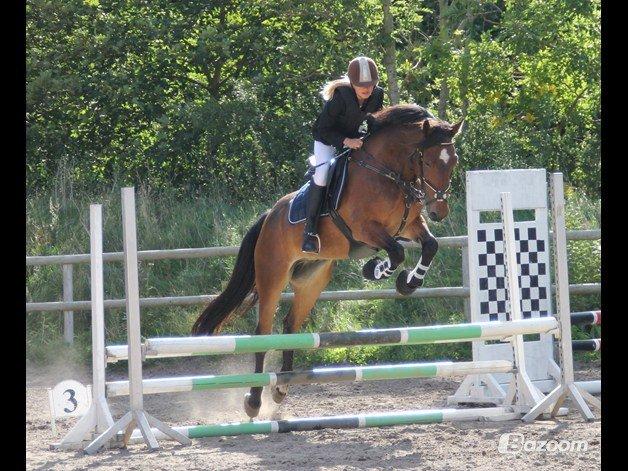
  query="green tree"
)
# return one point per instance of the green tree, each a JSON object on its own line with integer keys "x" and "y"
{"x": 197, "y": 96}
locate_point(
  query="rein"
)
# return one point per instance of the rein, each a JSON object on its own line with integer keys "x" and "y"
{"x": 412, "y": 194}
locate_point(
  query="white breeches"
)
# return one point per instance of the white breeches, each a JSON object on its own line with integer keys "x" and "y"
{"x": 322, "y": 155}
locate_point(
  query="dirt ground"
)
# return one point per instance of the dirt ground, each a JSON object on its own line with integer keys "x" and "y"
{"x": 447, "y": 446}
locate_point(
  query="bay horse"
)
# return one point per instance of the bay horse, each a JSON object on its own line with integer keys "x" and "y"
{"x": 404, "y": 164}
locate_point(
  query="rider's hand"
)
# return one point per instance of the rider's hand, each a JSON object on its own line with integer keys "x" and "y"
{"x": 352, "y": 143}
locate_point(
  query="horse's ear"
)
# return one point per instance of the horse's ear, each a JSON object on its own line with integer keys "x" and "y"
{"x": 426, "y": 126}
{"x": 457, "y": 127}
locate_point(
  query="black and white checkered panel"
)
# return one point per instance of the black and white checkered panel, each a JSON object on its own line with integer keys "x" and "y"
{"x": 532, "y": 272}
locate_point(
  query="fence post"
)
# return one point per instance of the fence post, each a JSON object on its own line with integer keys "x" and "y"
{"x": 68, "y": 296}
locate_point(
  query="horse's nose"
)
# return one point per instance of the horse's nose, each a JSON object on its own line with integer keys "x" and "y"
{"x": 434, "y": 216}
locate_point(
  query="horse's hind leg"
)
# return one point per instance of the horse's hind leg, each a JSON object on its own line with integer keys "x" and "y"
{"x": 271, "y": 277}
{"x": 307, "y": 288}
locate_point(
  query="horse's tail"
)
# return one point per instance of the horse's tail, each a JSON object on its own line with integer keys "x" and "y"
{"x": 241, "y": 284}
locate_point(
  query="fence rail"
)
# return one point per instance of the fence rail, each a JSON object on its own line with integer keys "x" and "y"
{"x": 68, "y": 305}
{"x": 348, "y": 295}
{"x": 208, "y": 252}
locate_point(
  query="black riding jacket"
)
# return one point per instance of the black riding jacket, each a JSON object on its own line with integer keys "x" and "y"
{"x": 342, "y": 115}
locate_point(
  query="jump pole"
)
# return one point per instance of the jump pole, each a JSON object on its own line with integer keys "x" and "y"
{"x": 410, "y": 417}
{"x": 218, "y": 345}
{"x": 587, "y": 345}
{"x": 586, "y": 318}
{"x": 136, "y": 414}
{"x": 98, "y": 418}
{"x": 592, "y": 387}
{"x": 567, "y": 386}
{"x": 314, "y": 376}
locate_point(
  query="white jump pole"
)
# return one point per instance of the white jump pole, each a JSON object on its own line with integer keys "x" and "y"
{"x": 136, "y": 415}
{"x": 98, "y": 417}
{"x": 592, "y": 387}
{"x": 566, "y": 386}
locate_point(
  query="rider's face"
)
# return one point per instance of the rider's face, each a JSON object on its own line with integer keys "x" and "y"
{"x": 363, "y": 92}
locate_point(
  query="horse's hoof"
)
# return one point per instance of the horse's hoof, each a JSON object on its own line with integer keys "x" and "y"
{"x": 403, "y": 287}
{"x": 377, "y": 269}
{"x": 368, "y": 270}
{"x": 277, "y": 394}
{"x": 251, "y": 411}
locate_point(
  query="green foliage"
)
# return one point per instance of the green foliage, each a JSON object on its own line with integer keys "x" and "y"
{"x": 181, "y": 94}
{"x": 206, "y": 107}
{"x": 532, "y": 91}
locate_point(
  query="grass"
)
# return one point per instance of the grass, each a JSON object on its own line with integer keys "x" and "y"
{"x": 58, "y": 223}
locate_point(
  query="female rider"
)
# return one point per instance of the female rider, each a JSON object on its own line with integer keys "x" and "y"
{"x": 347, "y": 102}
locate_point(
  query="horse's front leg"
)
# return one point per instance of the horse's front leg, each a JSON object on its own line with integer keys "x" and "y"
{"x": 377, "y": 269}
{"x": 410, "y": 280}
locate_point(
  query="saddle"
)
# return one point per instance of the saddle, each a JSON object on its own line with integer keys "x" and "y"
{"x": 336, "y": 181}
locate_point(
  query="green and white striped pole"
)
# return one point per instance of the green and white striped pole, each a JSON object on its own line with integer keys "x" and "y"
{"x": 410, "y": 417}
{"x": 217, "y": 345}
{"x": 314, "y": 376}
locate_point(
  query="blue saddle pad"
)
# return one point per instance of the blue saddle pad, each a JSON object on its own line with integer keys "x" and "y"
{"x": 337, "y": 177}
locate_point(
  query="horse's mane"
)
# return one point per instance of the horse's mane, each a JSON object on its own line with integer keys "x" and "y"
{"x": 396, "y": 115}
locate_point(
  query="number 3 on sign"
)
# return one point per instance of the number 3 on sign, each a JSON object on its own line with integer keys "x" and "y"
{"x": 68, "y": 398}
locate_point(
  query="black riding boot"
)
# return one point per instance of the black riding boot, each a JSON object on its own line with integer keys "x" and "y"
{"x": 311, "y": 241}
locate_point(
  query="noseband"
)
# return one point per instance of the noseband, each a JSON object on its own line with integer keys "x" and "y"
{"x": 439, "y": 195}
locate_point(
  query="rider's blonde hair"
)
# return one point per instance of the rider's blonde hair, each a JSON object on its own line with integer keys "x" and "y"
{"x": 328, "y": 89}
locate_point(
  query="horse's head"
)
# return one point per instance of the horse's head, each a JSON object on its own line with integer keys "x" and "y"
{"x": 437, "y": 160}
{"x": 414, "y": 134}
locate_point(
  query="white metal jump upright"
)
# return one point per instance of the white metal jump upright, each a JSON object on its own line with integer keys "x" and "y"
{"x": 98, "y": 418}
{"x": 567, "y": 386}
{"x": 136, "y": 414}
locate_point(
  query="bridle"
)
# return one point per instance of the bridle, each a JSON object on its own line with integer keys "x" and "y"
{"x": 417, "y": 194}
{"x": 439, "y": 195}
{"x": 412, "y": 192}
